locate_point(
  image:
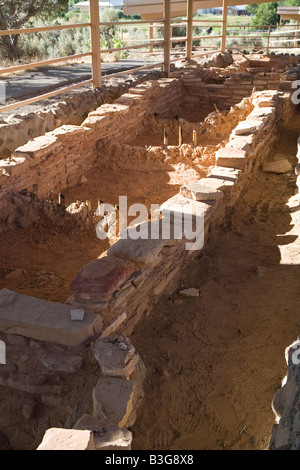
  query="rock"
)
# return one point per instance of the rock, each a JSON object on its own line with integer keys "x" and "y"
{"x": 231, "y": 157}
{"x": 201, "y": 191}
{"x": 278, "y": 166}
{"x": 43, "y": 320}
{"x": 67, "y": 439}
{"x": 98, "y": 280}
{"x": 77, "y": 314}
{"x": 139, "y": 250}
{"x": 249, "y": 126}
{"x": 61, "y": 362}
{"x": 113, "y": 325}
{"x": 191, "y": 292}
{"x": 15, "y": 274}
{"x": 116, "y": 356}
{"x": 113, "y": 397}
{"x": 107, "y": 436}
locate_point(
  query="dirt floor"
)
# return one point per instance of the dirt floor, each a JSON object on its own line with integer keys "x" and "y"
{"x": 51, "y": 256}
{"x": 214, "y": 362}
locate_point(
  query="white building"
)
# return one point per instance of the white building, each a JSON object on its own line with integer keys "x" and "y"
{"x": 85, "y": 6}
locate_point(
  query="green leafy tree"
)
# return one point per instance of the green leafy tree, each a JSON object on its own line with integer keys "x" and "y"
{"x": 252, "y": 8}
{"x": 16, "y": 13}
{"x": 292, "y": 3}
{"x": 266, "y": 14}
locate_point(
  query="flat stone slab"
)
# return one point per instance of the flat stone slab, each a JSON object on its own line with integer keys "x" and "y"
{"x": 201, "y": 191}
{"x": 45, "y": 321}
{"x": 231, "y": 157}
{"x": 107, "y": 436}
{"x": 278, "y": 166}
{"x": 249, "y": 126}
{"x": 183, "y": 205}
{"x": 36, "y": 147}
{"x": 140, "y": 250}
{"x": 113, "y": 397}
{"x": 262, "y": 112}
{"x": 67, "y": 439}
{"x": 98, "y": 280}
{"x": 229, "y": 175}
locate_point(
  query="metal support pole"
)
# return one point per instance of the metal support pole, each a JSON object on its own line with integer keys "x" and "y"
{"x": 189, "y": 29}
{"x": 95, "y": 42}
{"x": 167, "y": 37}
{"x": 224, "y": 25}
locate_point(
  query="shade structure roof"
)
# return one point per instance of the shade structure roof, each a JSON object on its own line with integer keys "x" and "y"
{"x": 153, "y": 9}
{"x": 289, "y": 13}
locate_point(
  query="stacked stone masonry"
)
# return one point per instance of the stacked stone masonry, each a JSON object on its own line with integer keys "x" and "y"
{"x": 110, "y": 295}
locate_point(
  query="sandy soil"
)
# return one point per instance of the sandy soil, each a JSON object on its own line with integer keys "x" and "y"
{"x": 214, "y": 362}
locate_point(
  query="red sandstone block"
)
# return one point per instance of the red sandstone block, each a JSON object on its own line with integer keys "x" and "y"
{"x": 231, "y": 157}
{"x": 98, "y": 280}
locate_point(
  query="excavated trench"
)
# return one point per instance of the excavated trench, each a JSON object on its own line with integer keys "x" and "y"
{"x": 195, "y": 379}
{"x": 41, "y": 259}
{"x": 215, "y": 361}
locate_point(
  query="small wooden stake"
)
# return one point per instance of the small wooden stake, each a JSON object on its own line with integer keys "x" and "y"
{"x": 165, "y": 137}
{"x": 195, "y": 138}
{"x": 180, "y": 137}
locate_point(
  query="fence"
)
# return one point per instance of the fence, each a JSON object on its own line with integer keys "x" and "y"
{"x": 223, "y": 38}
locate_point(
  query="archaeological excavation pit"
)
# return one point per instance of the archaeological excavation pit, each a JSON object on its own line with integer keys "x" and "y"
{"x": 69, "y": 298}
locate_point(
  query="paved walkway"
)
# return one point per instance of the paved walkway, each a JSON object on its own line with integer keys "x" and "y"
{"x": 44, "y": 79}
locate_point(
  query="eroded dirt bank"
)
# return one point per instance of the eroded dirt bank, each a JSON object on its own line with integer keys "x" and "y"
{"x": 215, "y": 361}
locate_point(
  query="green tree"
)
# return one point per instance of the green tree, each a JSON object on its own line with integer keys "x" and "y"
{"x": 292, "y": 3}
{"x": 266, "y": 14}
{"x": 16, "y": 13}
{"x": 252, "y": 8}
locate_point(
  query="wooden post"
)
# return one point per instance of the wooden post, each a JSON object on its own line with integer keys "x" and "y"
{"x": 180, "y": 136}
{"x": 268, "y": 41}
{"x": 151, "y": 35}
{"x": 224, "y": 25}
{"x": 165, "y": 137}
{"x": 296, "y": 35}
{"x": 195, "y": 138}
{"x": 167, "y": 38}
{"x": 95, "y": 42}
{"x": 189, "y": 27}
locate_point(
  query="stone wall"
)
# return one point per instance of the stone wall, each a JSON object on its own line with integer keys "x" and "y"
{"x": 286, "y": 404}
{"x": 68, "y": 109}
{"x": 226, "y": 87}
{"x": 79, "y": 351}
{"x": 58, "y": 159}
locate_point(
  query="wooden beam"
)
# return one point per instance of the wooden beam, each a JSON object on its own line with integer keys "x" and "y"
{"x": 95, "y": 42}
{"x": 167, "y": 36}
{"x": 151, "y": 36}
{"x": 224, "y": 25}
{"x": 190, "y": 4}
